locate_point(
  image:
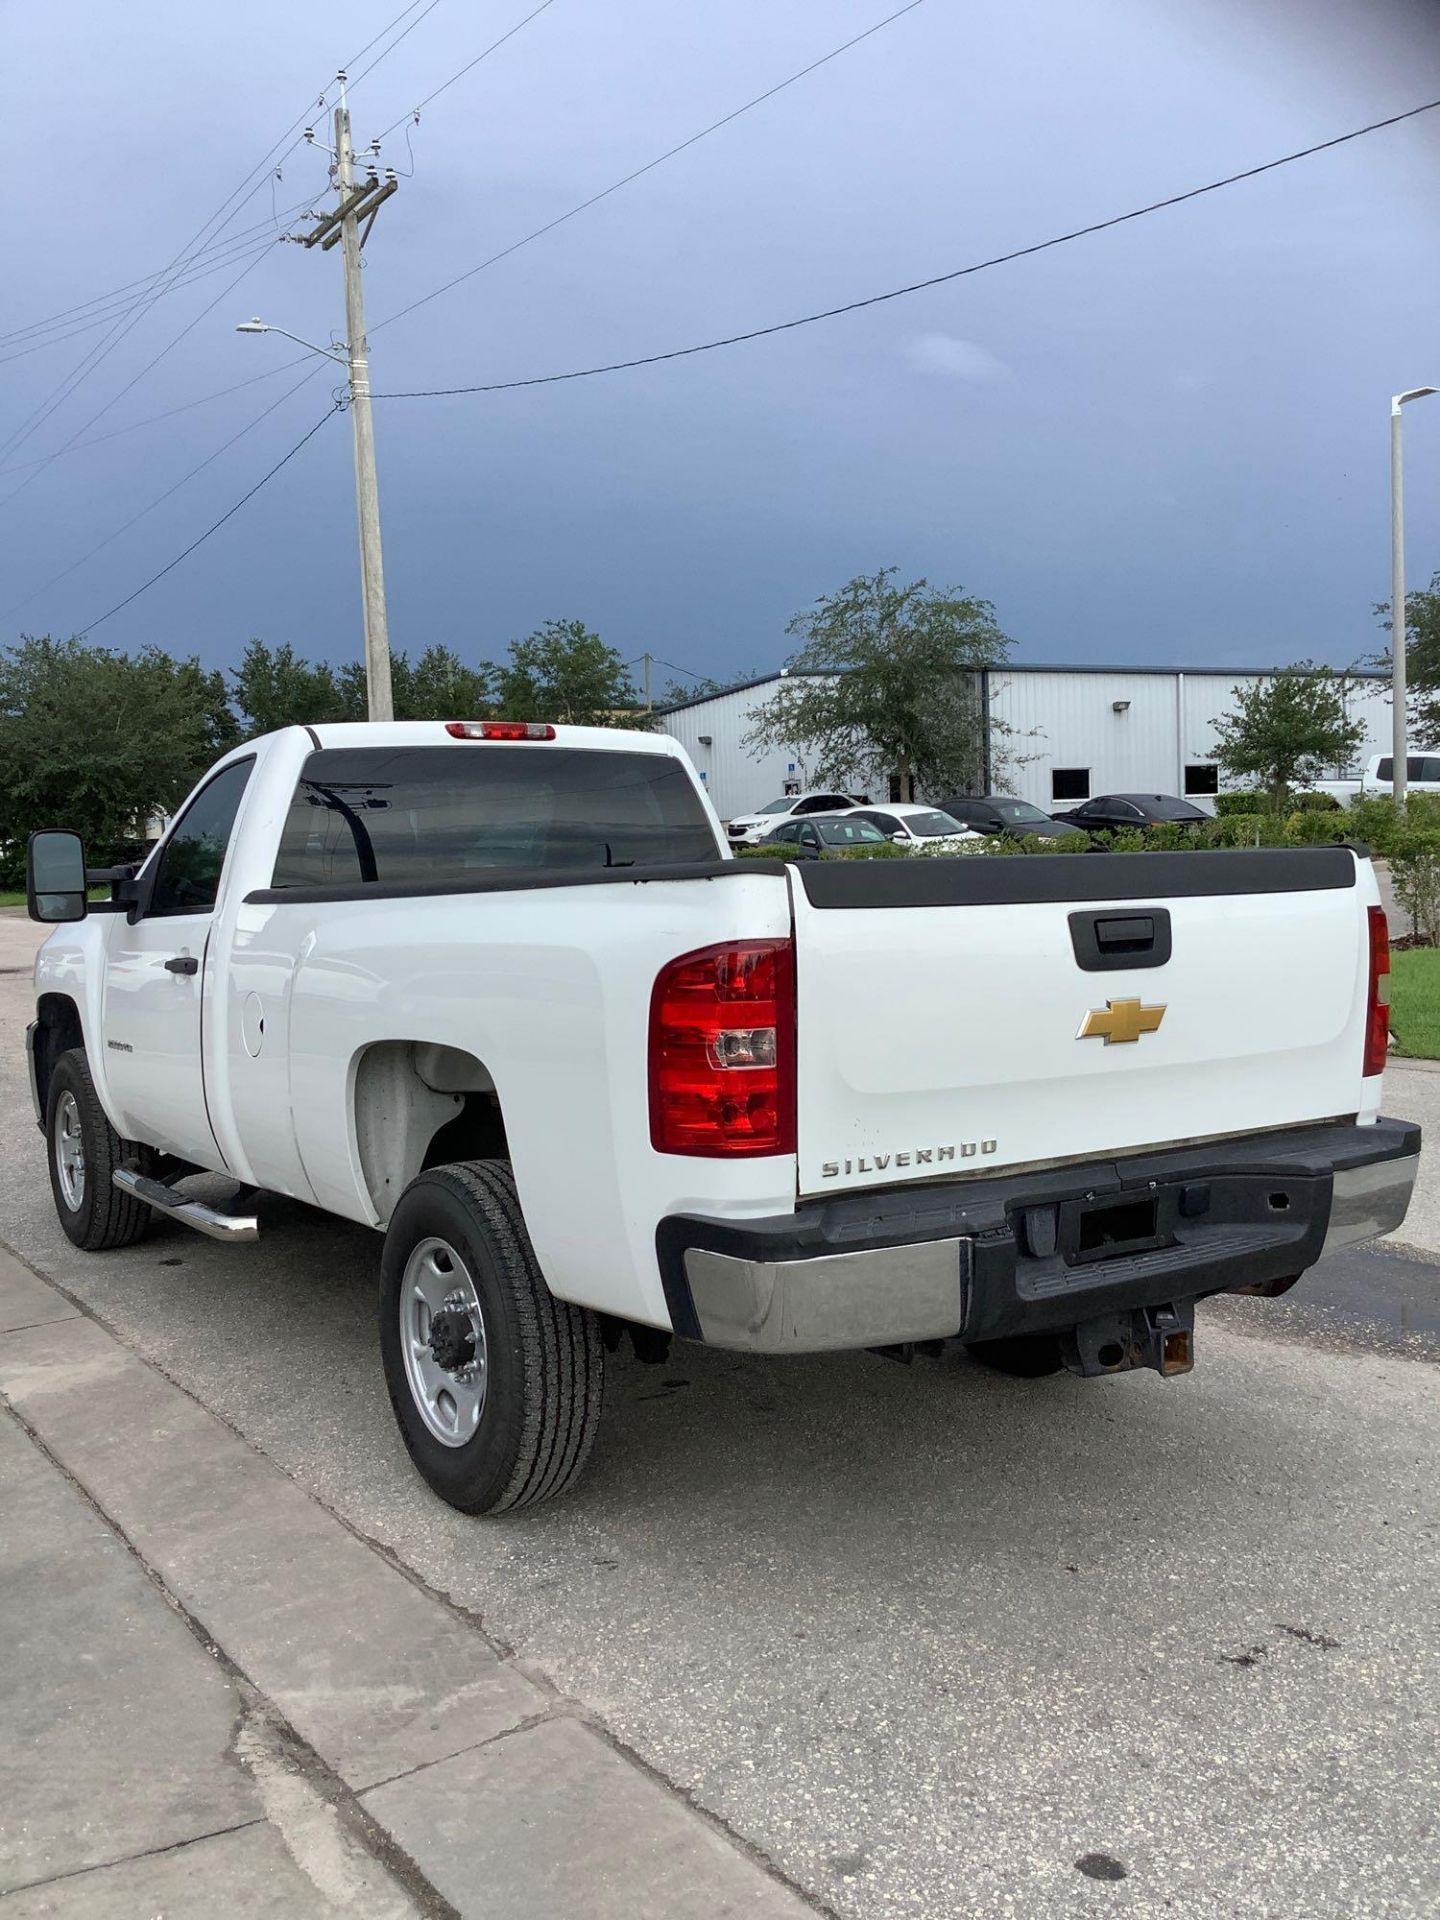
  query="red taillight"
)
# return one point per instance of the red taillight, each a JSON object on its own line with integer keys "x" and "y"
{"x": 722, "y": 1051}
{"x": 1377, "y": 1015}
{"x": 500, "y": 729}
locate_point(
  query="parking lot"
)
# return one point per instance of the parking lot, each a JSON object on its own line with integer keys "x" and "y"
{"x": 932, "y": 1641}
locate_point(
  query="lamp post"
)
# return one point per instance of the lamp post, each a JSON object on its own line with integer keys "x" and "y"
{"x": 1398, "y": 628}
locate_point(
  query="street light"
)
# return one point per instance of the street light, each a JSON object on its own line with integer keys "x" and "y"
{"x": 257, "y": 325}
{"x": 1398, "y": 628}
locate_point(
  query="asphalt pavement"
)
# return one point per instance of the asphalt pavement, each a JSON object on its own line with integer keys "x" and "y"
{"x": 923, "y": 1641}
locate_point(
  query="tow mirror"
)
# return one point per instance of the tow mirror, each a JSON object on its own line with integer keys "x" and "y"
{"x": 55, "y": 877}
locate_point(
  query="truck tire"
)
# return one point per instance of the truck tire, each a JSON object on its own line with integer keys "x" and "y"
{"x": 495, "y": 1383}
{"x": 1025, "y": 1356}
{"x": 84, "y": 1152}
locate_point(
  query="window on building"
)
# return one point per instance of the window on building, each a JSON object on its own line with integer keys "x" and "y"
{"x": 1070, "y": 783}
{"x": 1204, "y": 778}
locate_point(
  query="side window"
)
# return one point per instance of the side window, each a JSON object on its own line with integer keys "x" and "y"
{"x": 1123, "y": 810}
{"x": 818, "y": 803}
{"x": 193, "y": 857}
{"x": 886, "y": 822}
{"x": 1069, "y": 783}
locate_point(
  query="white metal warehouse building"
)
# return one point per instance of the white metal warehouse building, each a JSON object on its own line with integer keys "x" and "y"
{"x": 1072, "y": 732}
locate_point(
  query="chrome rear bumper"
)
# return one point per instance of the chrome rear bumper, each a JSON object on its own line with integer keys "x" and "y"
{"x": 988, "y": 1258}
{"x": 877, "y": 1298}
{"x": 1369, "y": 1201}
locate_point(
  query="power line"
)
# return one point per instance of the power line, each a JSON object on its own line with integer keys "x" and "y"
{"x": 154, "y": 419}
{"x": 246, "y": 237}
{"x": 357, "y": 78}
{"x": 159, "y": 499}
{"x": 26, "y": 348}
{"x": 650, "y": 165}
{"x": 215, "y": 526}
{"x": 444, "y": 87}
{"x": 919, "y": 286}
{"x": 244, "y": 192}
{"x": 134, "y": 380}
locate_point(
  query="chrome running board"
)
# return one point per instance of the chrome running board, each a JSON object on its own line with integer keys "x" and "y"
{"x": 191, "y": 1213}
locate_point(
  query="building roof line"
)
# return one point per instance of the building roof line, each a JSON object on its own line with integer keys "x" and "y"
{"x": 1027, "y": 666}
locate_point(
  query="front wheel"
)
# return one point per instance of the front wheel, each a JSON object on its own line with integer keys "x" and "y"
{"x": 495, "y": 1383}
{"x": 84, "y": 1152}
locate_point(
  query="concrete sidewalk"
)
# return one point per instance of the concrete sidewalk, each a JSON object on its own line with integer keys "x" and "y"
{"x": 215, "y": 1698}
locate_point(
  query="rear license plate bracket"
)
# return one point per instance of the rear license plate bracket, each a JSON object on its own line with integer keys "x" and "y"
{"x": 1105, "y": 1228}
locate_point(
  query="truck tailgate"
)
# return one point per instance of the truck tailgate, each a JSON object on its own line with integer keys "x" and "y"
{"x": 946, "y": 1023}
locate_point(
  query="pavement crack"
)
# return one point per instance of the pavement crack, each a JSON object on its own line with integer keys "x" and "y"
{"x": 127, "y": 1859}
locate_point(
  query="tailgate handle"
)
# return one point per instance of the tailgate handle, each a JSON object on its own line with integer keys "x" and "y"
{"x": 1106, "y": 941}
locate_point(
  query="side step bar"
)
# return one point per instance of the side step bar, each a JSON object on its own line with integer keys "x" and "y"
{"x": 191, "y": 1213}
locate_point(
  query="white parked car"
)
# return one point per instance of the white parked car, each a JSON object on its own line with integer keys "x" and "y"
{"x": 749, "y": 829}
{"x": 1422, "y": 775}
{"x": 500, "y": 992}
{"x": 919, "y": 828}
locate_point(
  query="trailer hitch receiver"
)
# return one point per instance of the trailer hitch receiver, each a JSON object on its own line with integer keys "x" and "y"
{"x": 1162, "y": 1338}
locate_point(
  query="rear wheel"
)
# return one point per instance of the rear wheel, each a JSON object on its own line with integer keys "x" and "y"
{"x": 1026, "y": 1356}
{"x": 84, "y": 1152}
{"x": 495, "y": 1383}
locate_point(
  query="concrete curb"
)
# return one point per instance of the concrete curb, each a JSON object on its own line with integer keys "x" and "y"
{"x": 507, "y": 1800}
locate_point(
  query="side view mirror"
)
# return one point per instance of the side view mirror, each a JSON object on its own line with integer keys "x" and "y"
{"x": 898, "y": 838}
{"x": 55, "y": 877}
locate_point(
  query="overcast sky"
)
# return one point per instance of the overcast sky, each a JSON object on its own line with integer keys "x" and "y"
{"x": 1167, "y": 442}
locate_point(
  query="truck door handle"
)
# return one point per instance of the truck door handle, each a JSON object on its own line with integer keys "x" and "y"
{"x": 183, "y": 963}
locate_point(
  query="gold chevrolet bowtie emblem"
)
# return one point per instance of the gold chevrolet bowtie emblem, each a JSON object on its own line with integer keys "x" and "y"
{"x": 1120, "y": 1020}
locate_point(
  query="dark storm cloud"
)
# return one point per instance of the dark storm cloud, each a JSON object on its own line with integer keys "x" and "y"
{"x": 1165, "y": 442}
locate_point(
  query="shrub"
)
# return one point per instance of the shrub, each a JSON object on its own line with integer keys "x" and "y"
{"x": 782, "y": 850}
{"x": 1415, "y": 872}
{"x": 1246, "y": 803}
{"x": 1375, "y": 819}
{"x": 1315, "y": 803}
{"x": 1316, "y": 829}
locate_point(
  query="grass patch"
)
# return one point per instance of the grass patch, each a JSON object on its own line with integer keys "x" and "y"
{"x": 1415, "y": 1002}
{"x": 12, "y": 899}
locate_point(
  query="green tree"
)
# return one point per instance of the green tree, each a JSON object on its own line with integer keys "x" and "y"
{"x": 439, "y": 686}
{"x": 1286, "y": 732}
{"x": 275, "y": 688}
{"x": 100, "y": 741}
{"x": 887, "y": 679}
{"x": 1422, "y": 659}
{"x": 564, "y": 672}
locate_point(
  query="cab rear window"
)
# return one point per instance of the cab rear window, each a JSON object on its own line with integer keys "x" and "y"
{"x": 397, "y": 815}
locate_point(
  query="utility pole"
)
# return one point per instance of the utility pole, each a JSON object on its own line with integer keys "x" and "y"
{"x": 342, "y": 224}
{"x": 1399, "y": 630}
{"x": 646, "y": 658}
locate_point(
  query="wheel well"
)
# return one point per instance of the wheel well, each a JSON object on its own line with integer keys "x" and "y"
{"x": 419, "y": 1105}
{"x": 59, "y": 1030}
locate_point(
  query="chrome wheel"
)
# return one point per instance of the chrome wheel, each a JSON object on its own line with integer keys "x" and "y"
{"x": 442, "y": 1338}
{"x": 69, "y": 1152}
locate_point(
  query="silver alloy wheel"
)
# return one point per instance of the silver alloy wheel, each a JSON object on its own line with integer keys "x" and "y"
{"x": 450, "y": 1398}
{"x": 69, "y": 1152}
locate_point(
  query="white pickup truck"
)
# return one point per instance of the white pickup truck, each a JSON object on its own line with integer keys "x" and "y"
{"x": 1422, "y": 775}
{"x": 501, "y": 993}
